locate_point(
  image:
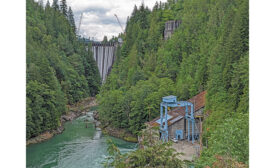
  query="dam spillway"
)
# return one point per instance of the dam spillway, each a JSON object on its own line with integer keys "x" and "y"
{"x": 104, "y": 55}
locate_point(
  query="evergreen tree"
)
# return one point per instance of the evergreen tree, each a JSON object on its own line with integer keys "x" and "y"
{"x": 64, "y": 8}
{"x": 154, "y": 154}
{"x": 134, "y": 11}
{"x": 55, "y": 5}
{"x": 71, "y": 19}
{"x": 59, "y": 69}
{"x": 105, "y": 40}
{"x": 48, "y": 4}
{"x": 41, "y": 3}
{"x": 209, "y": 51}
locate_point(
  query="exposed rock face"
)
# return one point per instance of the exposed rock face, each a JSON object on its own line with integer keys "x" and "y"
{"x": 170, "y": 27}
{"x": 40, "y": 138}
{"x": 95, "y": 115}
{"x": 68, "y": 117}
{"x": 96, "y": 119}
{"x": 98, "y": 123}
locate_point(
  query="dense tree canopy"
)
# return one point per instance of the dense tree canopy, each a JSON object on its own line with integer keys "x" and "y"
{"x": 154, "y": 153}
{"x": 209, "y": 51}
{"x": 63, "y": 7}
{"x": 60, "y": 70}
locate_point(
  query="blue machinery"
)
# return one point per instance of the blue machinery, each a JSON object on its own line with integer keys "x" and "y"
{"x": 171, "y": 101}
{"x": 179, "y": 134}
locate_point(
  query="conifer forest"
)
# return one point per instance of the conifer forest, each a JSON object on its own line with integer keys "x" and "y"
{"x": 209, "y": 51}
{"x": 59, "y": 69}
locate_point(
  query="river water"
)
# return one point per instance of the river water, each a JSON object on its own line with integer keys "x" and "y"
{"x": 76, "y": 147}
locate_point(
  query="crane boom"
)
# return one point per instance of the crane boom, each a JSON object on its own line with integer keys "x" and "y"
{"x": 119, "y": 23}
{"x": 78, "y": 30}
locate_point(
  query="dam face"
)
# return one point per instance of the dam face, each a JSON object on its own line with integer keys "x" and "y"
{"x": 104, "y": 55}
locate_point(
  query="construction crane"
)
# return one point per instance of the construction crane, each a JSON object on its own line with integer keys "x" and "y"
{"x": 120, "y": 39}
{"x": 78, "y": 30}
{"x": 119, "y": 23}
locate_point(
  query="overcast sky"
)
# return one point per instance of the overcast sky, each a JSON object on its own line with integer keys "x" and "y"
{"x": 98, "y": 15}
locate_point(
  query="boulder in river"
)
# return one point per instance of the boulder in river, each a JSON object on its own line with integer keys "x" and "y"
{"x": 98, "y": 123}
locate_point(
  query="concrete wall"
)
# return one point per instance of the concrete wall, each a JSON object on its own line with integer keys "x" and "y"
{"x": 170, "y": 27}
{"x": 196, "y": 128}
{"x": 183, "y": 125}
{"x": 179, "y": 125}
{"x": 104, "y": 55}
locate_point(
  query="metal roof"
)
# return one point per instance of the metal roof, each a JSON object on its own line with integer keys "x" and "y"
{"x": 170, "y": 97}
{"x": 168, "y": 117}
{"x": 179, "y": 112}
{"x": 176, "y": 119}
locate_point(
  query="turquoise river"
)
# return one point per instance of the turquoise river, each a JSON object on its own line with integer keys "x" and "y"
{"x": 76, "y": 147}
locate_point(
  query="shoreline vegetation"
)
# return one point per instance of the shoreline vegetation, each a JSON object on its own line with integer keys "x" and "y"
{"x": 77, "y": 110}
{"x": 208, "y": 51}
{"x": 112, "y": 131}
{"x": 60, "y": 71}
{"x": 74, "y": 111}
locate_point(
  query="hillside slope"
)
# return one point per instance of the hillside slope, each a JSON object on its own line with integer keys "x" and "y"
{"x": 209, "y": 51}
{"x": 59, "y": 69}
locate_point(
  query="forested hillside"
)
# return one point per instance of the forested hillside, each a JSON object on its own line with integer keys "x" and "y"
{"x": 209, "y": 51}
{"x": 59, "y": 69}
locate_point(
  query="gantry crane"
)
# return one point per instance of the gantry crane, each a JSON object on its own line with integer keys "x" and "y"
{"x": 171, "y": 101}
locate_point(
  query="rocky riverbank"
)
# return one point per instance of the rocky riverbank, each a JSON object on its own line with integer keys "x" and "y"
{"x": 74, "y": 111}
{"x": 115, "y": 132}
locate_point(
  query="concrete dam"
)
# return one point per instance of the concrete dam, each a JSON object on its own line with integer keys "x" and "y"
{"x": 104, "y": 55}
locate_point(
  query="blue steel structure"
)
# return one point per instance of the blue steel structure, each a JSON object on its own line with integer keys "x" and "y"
{"x": 171, "y": 101}
{"x": 179, "y": 134}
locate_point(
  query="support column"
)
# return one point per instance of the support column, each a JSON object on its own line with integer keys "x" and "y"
{"x": 188, "y": 129}
{"x": 161, "y": 123}
{"x": 193, "y": 125}
{"x": 193, "y": 122}
{"x": 166, "y": 125}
